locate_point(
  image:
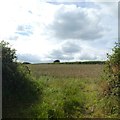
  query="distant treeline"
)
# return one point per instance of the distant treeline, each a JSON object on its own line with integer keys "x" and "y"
{"x": 82, "y": 62}
{"x": 26, "y": 63}
{"x": 79, "y": 62}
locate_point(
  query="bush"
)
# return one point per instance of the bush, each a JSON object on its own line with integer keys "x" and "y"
{"x": 19, "y": 89}
{"x": 112, "y": 78}
{"x": 112, "y": 71}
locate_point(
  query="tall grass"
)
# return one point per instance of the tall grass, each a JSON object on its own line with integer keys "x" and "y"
{"x": 70, "y": 91}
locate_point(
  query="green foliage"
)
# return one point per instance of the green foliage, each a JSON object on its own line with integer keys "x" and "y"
{"x": 8, "y": 54}
{"x": 112, "y": 78}
{"x": 112, "y": 71}
{"x": 62, "y": 98}
{"x": 73, "y": 107}
{"x": 19, "y": 89}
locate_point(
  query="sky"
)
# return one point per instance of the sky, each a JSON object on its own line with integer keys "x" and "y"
{"x": 45, "y": 30}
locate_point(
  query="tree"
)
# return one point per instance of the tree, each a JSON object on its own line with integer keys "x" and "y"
{"x": 57, "y": 61}
{"x": 8, "y": 54}
{"x": 8, "y": 59}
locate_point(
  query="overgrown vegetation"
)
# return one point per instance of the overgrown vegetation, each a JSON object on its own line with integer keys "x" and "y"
{"x": 112, "y": 79}
{"x": 19, "y": 89}
{"x": 70, "y": 91}
{"x": 113, "y": 71}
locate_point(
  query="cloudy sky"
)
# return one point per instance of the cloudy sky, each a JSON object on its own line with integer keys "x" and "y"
{"x": 42, "y": 31}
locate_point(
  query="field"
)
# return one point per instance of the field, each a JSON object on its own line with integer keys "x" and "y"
{"x": 71, "y": 91}
{"x": 63, "y": 91}
{"x": 66, "y": 70}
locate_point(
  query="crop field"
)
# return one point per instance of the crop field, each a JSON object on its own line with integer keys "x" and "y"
{"x": 66, "y": 70}
{"x": 70, "y": 91}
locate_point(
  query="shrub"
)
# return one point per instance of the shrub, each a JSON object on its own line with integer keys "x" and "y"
{"x": 19, "y": 89}
{"x": 112, "y": 71}
{"x": 112, "y": 77}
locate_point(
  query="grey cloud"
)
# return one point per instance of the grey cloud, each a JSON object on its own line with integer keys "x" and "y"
{"x": 58, "y": 54}
{"x": 24, "y": 27}
{"x": 29, "y": 11}
{"x": 70, "y": 48}
{"x": 21, "y": 28}
{"x": 13, "y": 37}
{"x": 75, "y": 24}
{"x": 25, "y": 30}
{"x": 78, "y": 4}
{"x": 67, "y": 51}
{"x": 87, "y": 56}
{"x": 29, "y": 58}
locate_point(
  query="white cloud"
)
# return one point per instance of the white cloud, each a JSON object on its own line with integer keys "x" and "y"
{"x": 35, "y": 28}
{"x": 66, "y": 51}
{"x": 73, "y": 22}
{"x": 29, "y": 58}
{"x": 102, "y": 1}
{"x": 92, "y": 53}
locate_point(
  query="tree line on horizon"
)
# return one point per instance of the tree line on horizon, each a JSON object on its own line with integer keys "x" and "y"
{"x": 81, "y": 62}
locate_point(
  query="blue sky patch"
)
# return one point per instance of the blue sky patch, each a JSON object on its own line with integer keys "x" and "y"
{"x": 24, "y": 33}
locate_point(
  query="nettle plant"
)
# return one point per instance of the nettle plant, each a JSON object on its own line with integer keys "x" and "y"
{"x": 112, "y": 71}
